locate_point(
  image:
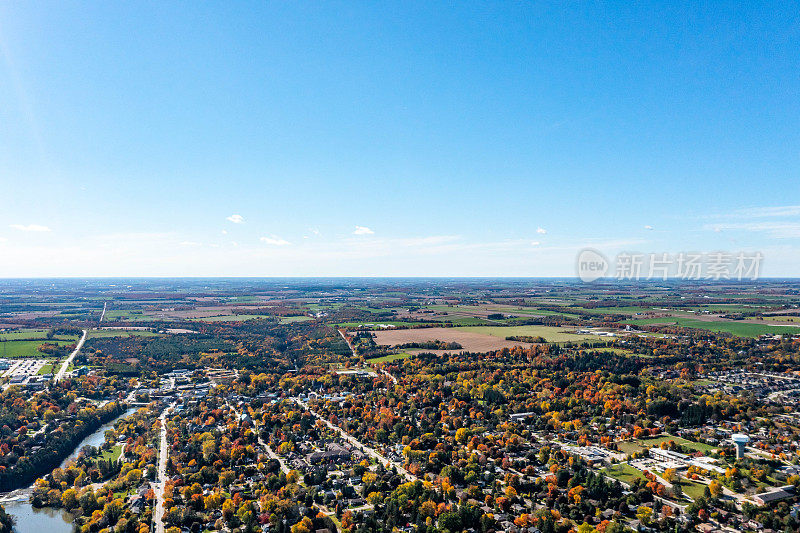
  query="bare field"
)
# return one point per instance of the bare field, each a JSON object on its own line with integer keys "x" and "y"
{"x": 470, "y": 341}
{"x": 478, "y": 338}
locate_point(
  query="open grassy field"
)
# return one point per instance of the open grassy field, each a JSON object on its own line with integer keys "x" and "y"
{"x": 692, "y": 489}
{"x": 393, "y": 357}
{"x": 227, "y": 318}
{"x": 623, "y": 472}
{"x": 112, "y": 454}
{"x": 97, "y": 333}
{"x": 33, "y": 334}
{"x": 290, "y": 319}
{"x": 376, "y": 324}
{"x": 622, "y": 310}
{"x": 125, "y": 314}
{"x": 14, "y": 349}
{"x": 551, "y": 334}
{"x": 522, "y": 310}
{"x": 469, "y": 340}
{"x": 738, "y": 328}
{"x": 477, "y": 338}
{"x": 629, "y": 447}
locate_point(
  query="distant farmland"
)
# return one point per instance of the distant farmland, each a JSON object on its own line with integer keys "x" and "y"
{"x": 477, "y": 338}
{"x": 734, "y": 327}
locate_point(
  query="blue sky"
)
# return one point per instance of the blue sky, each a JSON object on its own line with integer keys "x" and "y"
{"x": 472, "y": 139}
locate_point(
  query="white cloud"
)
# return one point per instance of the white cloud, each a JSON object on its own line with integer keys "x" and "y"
{"x": 535, "y": 243}
{"x": 648, "y": 227}
{"x": 776, "y": 230}
{"x": 30, "y": 227}
{"x": 274, "y": 240}
{"x": 541, "y": 231}
{"x": 224, "y": 232}
{"x": 315, "y": 231}
{"x": 363, "y": 230}
{"x": 775, "y": 211}
{"x": 190, "y": 243}
{"x": 236, "y": 219}
{"x": 758, "y": 212}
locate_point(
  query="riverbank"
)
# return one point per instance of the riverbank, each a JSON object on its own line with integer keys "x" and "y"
{"x": 54, "y": 453}
{"x": 30, "y": 519}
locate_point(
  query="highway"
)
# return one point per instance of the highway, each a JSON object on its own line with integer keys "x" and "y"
{"x": 68, "y": 360}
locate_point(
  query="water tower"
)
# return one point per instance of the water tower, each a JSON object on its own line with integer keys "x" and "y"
{"x": 740, "y": 440}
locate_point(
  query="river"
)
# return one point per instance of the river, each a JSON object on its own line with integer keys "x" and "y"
{"x": 30, "y": 520}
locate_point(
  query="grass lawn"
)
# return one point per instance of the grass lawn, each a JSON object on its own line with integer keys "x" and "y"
{"x": 112, "y": 454}
{"x": 623, "y": 472}
{"x": 692, "y": 489}
{"x": 551, "y": 334}
{"x": 46, "y": 369}
{"x": 738, "y": 328}
{"x": 697, "y": 446}
{"x": 13, "y": 349}
{"x": 629, "y": 447}
{"x": 391, "y": 357}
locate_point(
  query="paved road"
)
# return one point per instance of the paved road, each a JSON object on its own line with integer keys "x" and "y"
{"x": 103, "y": 314}
{"x": 68, "y": 360}
{"x": 363, "y": 447}
{"x": 270, "y": 452}
{"x": 161, "y": 474}
{"x": 381, "y": 370}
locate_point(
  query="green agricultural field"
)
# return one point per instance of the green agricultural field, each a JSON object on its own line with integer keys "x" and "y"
{"x": 98, "y": 333}
{"x": 125, "y": 314}
{"x": 465, "y": 320}
{"x": 228, "y": 318}
{"x": 31, "y": 334}
{"x": 738, "y": 328}
{"x": 14, "y": 349}
{"x": 551, "y": 334}
{"x": 523, "y": 311}
{"x": 290, "y": 319}
{"x": 374, "y": 325}
{"x": 622, "y": 310}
